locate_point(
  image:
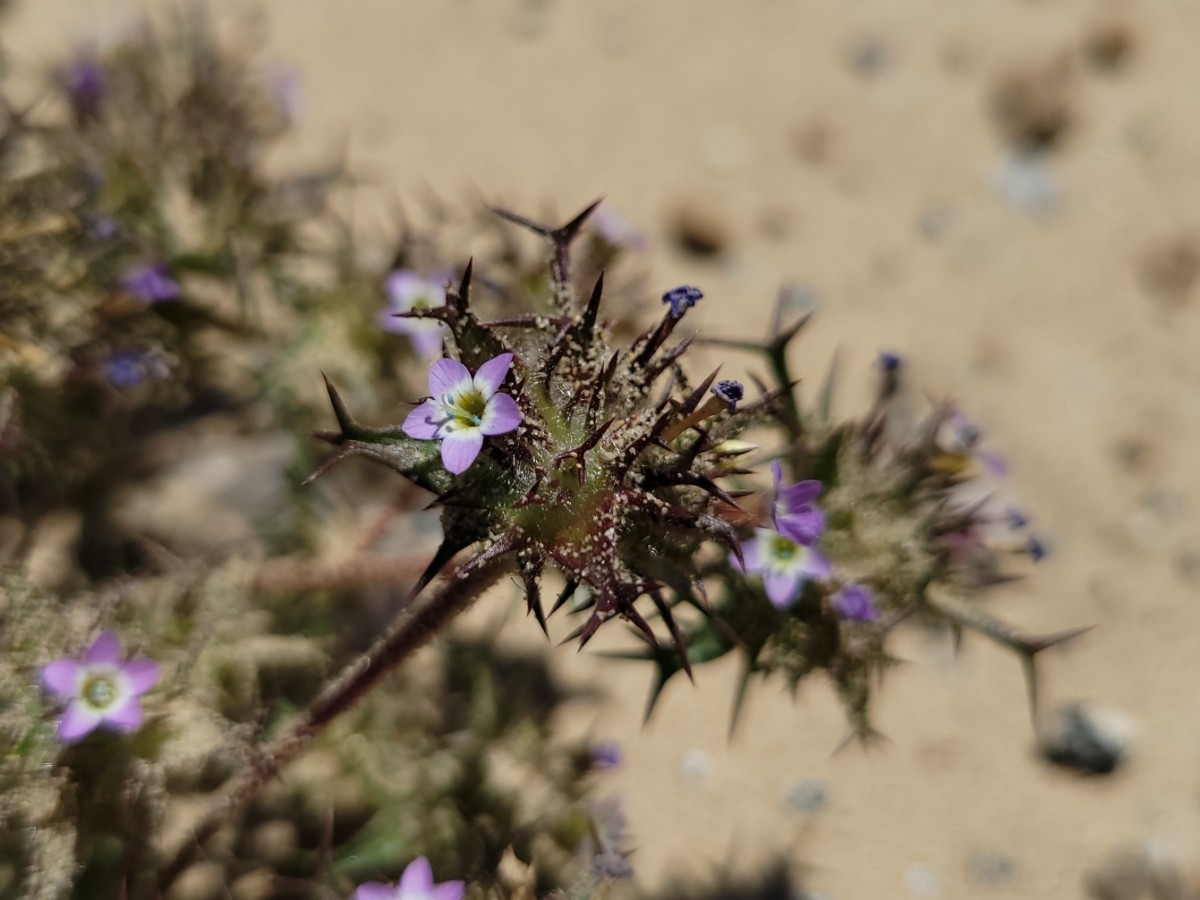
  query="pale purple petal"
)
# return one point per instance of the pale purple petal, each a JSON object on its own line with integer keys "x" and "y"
{"x": 803, "y": 527}
{"x": 373, "y": 890}
{"x": 449, "y": 890}
{"x": 417, "y": 878}
{"x": 389, "y": 322}
{"x": 459, "y": 449}
{"x": 491, "y": 374}
{"x": 142, "y": 674}
{"x": 447, "y": 375}
{"x": 424, "y": 421}
{"x": 426, "y": 341}
{"x": 776, "y": 475}
{"x": 856, "y": 603}
{"x": 125, "y": 717}
{"x": 105, "y": 649}
{"x": 815, "y": 564}
{"x": 77, "y": 721}
{"x": 401, "y": 286}
{"x": 61, "y": 677}
{"x": 501, "y": 415}
{"x": 796, "y": 496}
{"x": 783, "y": 588}
{"x": 751, "y": 555}
{"x": 993, "y": 463}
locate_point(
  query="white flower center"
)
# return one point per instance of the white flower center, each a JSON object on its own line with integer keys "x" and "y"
{"x": 100, "y": 690}
{"x": 466, "y": 408}
{"x": 782, "y": 553}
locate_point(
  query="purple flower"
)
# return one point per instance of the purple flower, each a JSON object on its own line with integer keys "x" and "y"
{"x": 605, "y": 755}
{"x": 150, "y": 282}
{"x": 1036, "y": 548}
{"x": 103, "y": 227}
{"x": 1016, "y": 518}
{"x": 783, "y": 564}
{"x": 889, "y": 362}
{"x": 100, "y": 689}
{"x": 963, "y": 452}
{"x": 615, "y": 231}
{"x": 462, "y": 409}
{"x": 793, "y": 512}
{"x": 856, "y": 603}
{"x": 286, "y": 88}
{"x": 681, "y": 299}
{"x": 129, "y": 368}
{"x": 408, "y": 291}
{"x": 729, "y": 392}
{"x": 83, "y": 81}
{"x": 416, "y": 883}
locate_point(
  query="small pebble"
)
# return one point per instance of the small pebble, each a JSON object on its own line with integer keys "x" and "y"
{"x": 807, "y": 795}
{"x": 933, "y": 223}
{"x": 1108, "y": 45}
{"x": 1145, "y": 872}
{"x": 867, "y": 56}
{"x": 797, "y": 299}
{"x": 1027, "y": 181}
{"x": 700, "y": 230}
{"x": 991, "y": 868}
{"x": 1170, "y": 268}
{"x": 922, "y": 882}
{"x": 695, "y": 767}
{"x": 725, "y": 149}
{"x": 1033, "y": 105}
{"x": 1088, "y": 740}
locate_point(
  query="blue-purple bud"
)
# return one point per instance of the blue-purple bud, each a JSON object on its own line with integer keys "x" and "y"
{"x": 729, "y": 392}
{"x": 681, "y": 299}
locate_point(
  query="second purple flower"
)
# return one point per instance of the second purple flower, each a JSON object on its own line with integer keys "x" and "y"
{"x": 463, "y": 409}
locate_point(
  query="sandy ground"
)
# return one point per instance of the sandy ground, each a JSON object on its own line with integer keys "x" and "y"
{"x": 851, "y": 145}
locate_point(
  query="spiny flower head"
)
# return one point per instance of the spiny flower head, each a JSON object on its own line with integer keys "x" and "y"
{"x": 600, "y": 460}
{"x": 100, "y": 690}
{"x": 463, "y": 409}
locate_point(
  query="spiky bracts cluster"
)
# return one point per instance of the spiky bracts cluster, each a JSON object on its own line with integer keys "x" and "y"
{"x": 611, "y": 476}
{"x": 913, "y": 525}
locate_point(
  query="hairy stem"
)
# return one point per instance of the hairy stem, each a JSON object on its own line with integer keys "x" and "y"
{"x": 415, "y": 626}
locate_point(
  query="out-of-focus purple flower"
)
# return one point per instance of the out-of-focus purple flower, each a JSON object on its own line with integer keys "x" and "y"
{"x": 101, "y": 690}
{"x": 407, "y": 291}
{"x": 463, "y": 409}
{"x": 605, "y": 754}
{"x": 963, "y": 449}
{"x": 416, "y": 883}
{"x": 129, "y": 368}
{"x": 783, "y": 564}
{"x": 102, "y": 227}
{"x": 856, "y": 603}
{"x": 793, "y": 510}
{"x": 150, "y": 282}
{"x": 1036, "y": 548}
{"x": 83, "y": 80}
{"x": 286, "y": 88}
{"x": 681, "y": 299}
{"x": 615, "y": 231}
{"x": 608, "y": 849}
{"x": 730, "y": 393}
